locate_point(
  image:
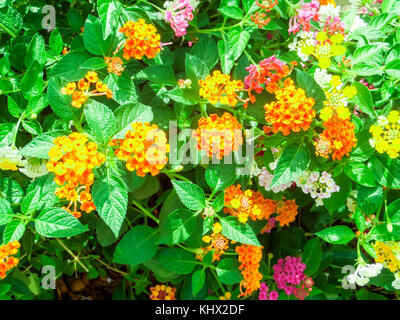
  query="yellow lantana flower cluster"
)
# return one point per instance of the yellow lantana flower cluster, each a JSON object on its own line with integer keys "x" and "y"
{"x": 72, "y": 160}
{"x": 144, "y": 148}
{"x": 162, "y": 292}
{"x": 80, "y": 91}
{"x": 388, "y": 253}
{"x": 386, "y": 134}
{"x": 220, "y": 88}
{"x": 337, "y": 99}
{"x": 326, "y": 48}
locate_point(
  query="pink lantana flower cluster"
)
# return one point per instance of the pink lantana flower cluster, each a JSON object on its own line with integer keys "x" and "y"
{"x": 305, "y": 14}
{"x": 289, "y": 275}
{"x": 178, "y": 13}
{"x": 265, "y": 295}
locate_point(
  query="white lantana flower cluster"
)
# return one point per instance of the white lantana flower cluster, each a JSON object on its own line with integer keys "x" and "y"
{"x": 322, "y": 78}
{"x": 319, "y": 186}
{"x": 265, "y": 179}
{"x": 301, "y": 40}
{"x": 363, "y": 273}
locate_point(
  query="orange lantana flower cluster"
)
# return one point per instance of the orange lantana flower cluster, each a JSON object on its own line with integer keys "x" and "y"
{"x": 217, "y": 242}
{"x": 143, "y": 40}
{"x": 220, "y": 88}
{"x": 80, "y": 91}
{"x": 287, "y": 212}
{"x": 144, "y": 148}
{"x": 115, "y": 65}
{"x": 292, "y": 111}
{"x": 162, "y": 292}
{"x": 249, "y": 258}
{"x": 72, "y": 160}
{"x": 252, "y": 204}
{"x": 7, "y": 261}
{"x": 219, "y": 135}
{"x": 247, "y": 204}
{"x": 337, "y": 139}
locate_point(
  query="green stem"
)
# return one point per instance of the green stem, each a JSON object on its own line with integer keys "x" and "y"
{"x": 76, "y": 258}
{"x": 145, "y": 211}
{"x": 12, "y": 34}
{"x": 219, "y": 282}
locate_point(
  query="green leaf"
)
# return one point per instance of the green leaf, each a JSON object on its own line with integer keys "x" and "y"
{"x": 73, "y": 66}
{"x": 238, "y": 41}
{"x": 111, "y": 14}
{"x": 11, "y": 20}
{"x": 32, "y": 82}
{"x": 207, "y": 50}
{"x": 312, "y": 89}
{"x": 237, "y": 231}
{"x": 56, "y": 42}
{"x": 386, "y": 171}
{"x": 101, "y": 121}
{"x": 123, "y": 88}
{"x": 232, "y": 12}
{"x": 196, "y": 69}
{"x": 363, "y": 99}
{"x": 191, "y": 195}
{"x": 36, "y": 51}
{"x": 226, "y": 54}
{"x": 220, "y": 176}
{"x": 93, "y": 38}
{"x": 94, "y": 64}
{"x": 198, "y": 279}
{"x": 58, "y": 223}
{"x": 293, "y": 161}
{"x": 312, "y": 256}
{"x": 177, "y": 260}
{"x": 359, "y": 220}
{"x": 111, "y": 200}
{"x": 13, "y": 107}
{"x": 6, "y": 213}
{"x": 393, "y": 68}
{"x": 369, "y": 54}
{"x": 369, "y": 199}
{"x": 129, "y": 114}
{"x": 137, "y": 246}
{"x": 228, "y": 271}
{"x": 13, "y": 231}
{"x": 180, "y": 224}
{"x": 336, "y": 234}
{"x": 360, "y": 173}
{"x": 40, "y": 146}
{"x": 60, "y": 103}
{"x": 162, "y": 75}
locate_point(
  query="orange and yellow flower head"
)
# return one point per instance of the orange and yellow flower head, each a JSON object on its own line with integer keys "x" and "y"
{"x": 249, "y": 258}
{"x": 219, "y": 135}
{"x": 291, "y": 112}
{"x": 143, "y": 40}
{"x": 144, "y": 148}
{"x": 162, "y": 292}
{"x": 7, "y": 261}
{"x": 287, "y": 212}
{"x": 220, "y": 88}
{"x": 80, "y": 91}
{"x": 72, "y": 160}
{"x": 338, "y": 138}
{"x": 115, "y": 65}
{"x": 217, "y": 242}
{"x": 247, "y": 204}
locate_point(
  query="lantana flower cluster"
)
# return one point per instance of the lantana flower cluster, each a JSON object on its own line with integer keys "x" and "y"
{"x": 291, "y": 112}
{"x": 7, "y": 261}
{"x": 72, "y": 160}
{"x": 260, "y": 18}
{"x": 289, "y": 275}
{"x": 81, "y": 91}
{"x": 220, "y": 88}
{"x": 162, "y": 292}
{"x": 178, "y": 13}
{"x": 217, "y": 242}
{"x": 218, "y": 135}
{"x": 249, "y": 258}
{"x": 267, "y": 73}
{"x": 142, "y": 40}
{"x": 144, "y": 149}
{"x": 319, "y": 186}
{"x": 386, "y": 134}
{"x": 115, "y": 65}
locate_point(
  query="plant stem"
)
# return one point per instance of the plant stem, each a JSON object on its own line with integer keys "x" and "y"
{"x": 145, "y": 211}
{"x": 76, "y": 258}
